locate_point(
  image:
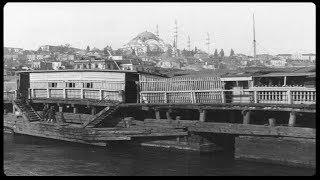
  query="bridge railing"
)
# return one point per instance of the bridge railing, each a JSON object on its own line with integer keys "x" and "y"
{"x": 275, "y": 96}
{"x": 75, "y": 93}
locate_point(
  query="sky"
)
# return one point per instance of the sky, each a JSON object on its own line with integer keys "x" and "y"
{"x": 280, "y": 27}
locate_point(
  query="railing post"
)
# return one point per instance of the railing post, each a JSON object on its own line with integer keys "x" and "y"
{"x": 64, "y": 93}
{"x": 255, "y": 96}
{"x": 48, "y": 93}
{"x": 101, "y": 94}
{"x": 289, "y": 96}
{"x": 223, "y": 99}
{"x": 82, "y": 93}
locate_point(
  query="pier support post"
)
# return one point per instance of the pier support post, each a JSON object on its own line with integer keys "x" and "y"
{"x": 75, "y": 110}
{"x": 157, "y": 112}
{"x": 93, "y": 111}
{"x": 292, "y": 119}
{"x": 128, "y": 121}
{"x": 202, "y": 116}
{"x": 168, "y": 114}
{"x": 60, "y": 108}
{"x": 246, "y": 116}
{"x": 272, "y": 122}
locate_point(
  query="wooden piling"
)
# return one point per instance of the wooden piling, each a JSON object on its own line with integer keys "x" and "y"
{"x": 168, "y": 115}
{"x": 272, "y": 121}
{"x": 157, "y": 112}
{"x": 93, "y": 111}
{"x": 292, "y": 119}
{"x": 202, "y": 116}
{"x": 246, "y": 116}
{"x": 75, "y": 110}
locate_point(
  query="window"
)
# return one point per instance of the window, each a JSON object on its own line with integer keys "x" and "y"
{"x": 53, "y": 84}
{"x": 71, "y": 85}
{"x": 88, "y": 85}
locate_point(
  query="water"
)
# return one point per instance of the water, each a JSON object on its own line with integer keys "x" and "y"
{"x": 25, "y": 155}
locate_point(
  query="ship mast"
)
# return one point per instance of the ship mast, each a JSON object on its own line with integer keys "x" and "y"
{"x": 254, "y": 40}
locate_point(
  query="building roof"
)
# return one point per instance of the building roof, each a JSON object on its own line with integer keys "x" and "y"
{"x": 77, "y": 70}
{"x": 308, "y": 54}
{"x": 284, "y": 55}
{"x": 282, "y": 74}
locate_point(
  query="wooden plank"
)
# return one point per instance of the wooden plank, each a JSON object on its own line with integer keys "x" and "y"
{"x": 248, "y": 129}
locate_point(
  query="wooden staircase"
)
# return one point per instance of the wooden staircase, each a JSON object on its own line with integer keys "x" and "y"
{"x": 27, "y": 110}
{"x": 101, "y": 115}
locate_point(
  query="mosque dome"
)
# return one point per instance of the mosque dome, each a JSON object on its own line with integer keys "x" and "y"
{"x": 147, "y": 40}
{"x": 144, "y": 36}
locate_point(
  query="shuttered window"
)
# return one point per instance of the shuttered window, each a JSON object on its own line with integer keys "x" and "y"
{"x": 53, "y": 84}
{"x": 88, "y": 85}
{"x": 70, "y": 85}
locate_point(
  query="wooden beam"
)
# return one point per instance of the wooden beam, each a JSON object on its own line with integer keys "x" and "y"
{"x": 254, "y": 130}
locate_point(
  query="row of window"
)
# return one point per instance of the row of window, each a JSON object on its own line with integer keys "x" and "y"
{"x": 72, "y": 85}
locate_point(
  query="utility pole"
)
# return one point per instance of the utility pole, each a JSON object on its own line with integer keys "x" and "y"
{"x": 254, "y": 40}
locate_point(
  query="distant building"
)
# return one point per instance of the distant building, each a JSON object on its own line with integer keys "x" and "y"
{"x": 284, "y": 56}
{"x": 169, "y": 63}
{"x": 278, "y": 62}
{"x": 41, "y": 65}
{"x": 11, "y": 50}
{"x": 31, "y": 57}
{"x": 310, "y": 57}
{"x": 49, "y": 48}
{"x": 96, "y": 64}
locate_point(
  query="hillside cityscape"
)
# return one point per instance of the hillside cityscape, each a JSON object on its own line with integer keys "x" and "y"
{"x": 147, "y": 51}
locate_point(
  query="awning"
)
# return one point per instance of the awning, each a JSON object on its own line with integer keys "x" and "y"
{"x": 236, "y": 78}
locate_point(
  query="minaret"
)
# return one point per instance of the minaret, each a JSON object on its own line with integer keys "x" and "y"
{"x": 189, "y": 47}
{"x": 208, "y": 43}
{"x": 254, "y": 41}
{"x": 176, "y": 33}
{"x": 157, "y": 31}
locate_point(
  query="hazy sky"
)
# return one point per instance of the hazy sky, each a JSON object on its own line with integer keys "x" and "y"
{"x": 280, "y": 27}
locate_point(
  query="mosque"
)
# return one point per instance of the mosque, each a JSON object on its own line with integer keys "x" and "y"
{"x": 146, "y": 41}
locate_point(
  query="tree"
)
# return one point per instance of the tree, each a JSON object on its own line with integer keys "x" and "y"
{"x": 231, "y": 53}
{"x": 107, "y": 50}
{"x": 221, "y": 53}
{"x": 88, "y": 49}
{"x": 215, "y": 53}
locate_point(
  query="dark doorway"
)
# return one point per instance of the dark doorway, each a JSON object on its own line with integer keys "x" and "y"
{"x": 23, "y": 85}
{"x": 131, "y": 92}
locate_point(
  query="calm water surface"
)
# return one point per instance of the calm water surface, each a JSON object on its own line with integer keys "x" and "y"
{"x": 25, "y": 155}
